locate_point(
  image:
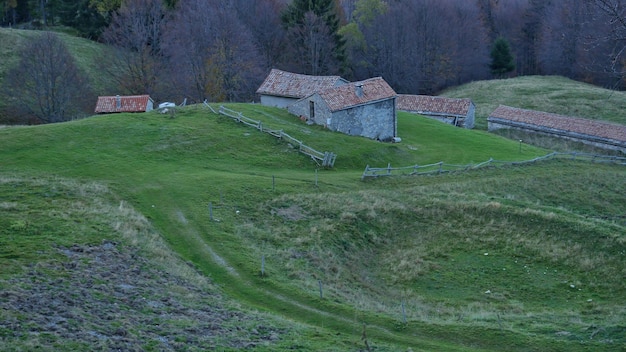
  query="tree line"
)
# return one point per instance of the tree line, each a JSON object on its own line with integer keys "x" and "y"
{"x": 221, "y": 50}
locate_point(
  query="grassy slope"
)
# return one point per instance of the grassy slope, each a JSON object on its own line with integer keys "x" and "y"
{"x": 88, "y": 56}
{"x": 83, "y": 271}
{"x": 371, "y": 248}
{"x": 553, "y": 94}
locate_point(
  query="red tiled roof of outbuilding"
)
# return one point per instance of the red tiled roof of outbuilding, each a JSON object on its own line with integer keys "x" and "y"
{"x": 128, "y": 103}
{"x": 433, "y": 104}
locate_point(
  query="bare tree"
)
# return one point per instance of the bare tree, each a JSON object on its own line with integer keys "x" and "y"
{"x": 188, "y": 36}
{"x": 470, "y": 44}
{"x": 421, "y": 47}
{"x": 234, "y": 58}
{"x": 609, "y": 38}
{"x": 262, "y": 18}
{"x": 47, "y": 83}
{"x": 561, "y": 50}
{"x": 136, "y": 31}
{"x": 309, "y": 22}
{"x": 530, "y": 38}
{"x": 211, "y": 53}
{"x": 312, "y": 46}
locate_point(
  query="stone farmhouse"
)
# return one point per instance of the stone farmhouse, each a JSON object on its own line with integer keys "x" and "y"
{"x": 281, "y": 88}
{"x": 456, "y": 112}
{"x": 365, "y": 108}
{"x": 129, "y": 103}
{"x": 600, "y": 134}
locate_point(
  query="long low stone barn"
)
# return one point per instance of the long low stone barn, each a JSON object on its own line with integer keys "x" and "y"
{"x": 453, "y": 111}
{"x": 593, "y": 132}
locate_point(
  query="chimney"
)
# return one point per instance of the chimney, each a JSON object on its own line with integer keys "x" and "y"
{"x": 359, "y": 90}
{"x": 118, "y": 101}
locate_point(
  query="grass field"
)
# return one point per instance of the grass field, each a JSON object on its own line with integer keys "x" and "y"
{"x": 192, "y": 232}
{"x": 524, "y": 258}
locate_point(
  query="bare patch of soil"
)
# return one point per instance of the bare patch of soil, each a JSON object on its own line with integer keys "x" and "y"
{"x": 107, "y": 297}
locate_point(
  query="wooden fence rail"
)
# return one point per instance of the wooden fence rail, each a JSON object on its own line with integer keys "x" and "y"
{"x": 326, "y": 159}
{"x": 441, "y": 167}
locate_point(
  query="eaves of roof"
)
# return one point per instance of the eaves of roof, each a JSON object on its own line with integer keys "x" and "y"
{"x": 359, "y": 93}
{"x": 433, "y": 105}
{"x": 128, "y": 103}
{"x": 294, "y": 85}
{"x": 560, "y": 122}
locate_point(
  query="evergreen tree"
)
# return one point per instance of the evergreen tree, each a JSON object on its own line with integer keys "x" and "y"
{"x": 301, "y": 13}
{"x": 501, "y": 58}
{"x": 79, "y": 14}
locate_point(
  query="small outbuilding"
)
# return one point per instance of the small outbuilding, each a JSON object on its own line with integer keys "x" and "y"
{"x": 453, "y": 111}
{"x": 127, "y": 103}
{"x": 593, "y": 132}
{"x": 365, "y": 108}
{"x": 281, "y": 88}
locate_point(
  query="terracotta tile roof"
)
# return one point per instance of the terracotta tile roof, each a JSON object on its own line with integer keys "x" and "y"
{"x": 357, "y": 93}
{"x": 560, "y": 122}
{"x": 128, "y": 103}
{"x": 434, "y": 105}
{"x": 295, "y": 85}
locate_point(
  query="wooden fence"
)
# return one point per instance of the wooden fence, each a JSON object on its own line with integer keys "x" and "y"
{"x": 326, "y": 159}
{"x": 441, "y": 167}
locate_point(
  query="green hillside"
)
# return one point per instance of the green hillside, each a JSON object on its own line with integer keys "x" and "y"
{"x": 552, "y": 94}
{"x": 88, "y": 54}
{"x": 214, "y": 221}
{"x": 91, "y": 58}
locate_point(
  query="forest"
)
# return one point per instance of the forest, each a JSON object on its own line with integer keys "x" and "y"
{"x": 219, "y": 50}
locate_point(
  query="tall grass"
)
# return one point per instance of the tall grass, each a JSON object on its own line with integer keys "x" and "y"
{"x": 77, "y": 213}
{"x": 503, "y": 246}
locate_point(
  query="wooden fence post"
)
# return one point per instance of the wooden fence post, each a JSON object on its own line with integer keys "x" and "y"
{"x": 319, "y": 282}
{"x": 211, "y": 211}
{"x": 403, "y": 313}
{"x": 263, "y": 265}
